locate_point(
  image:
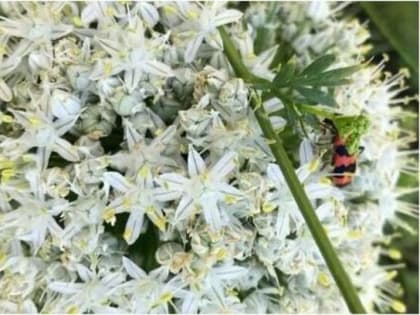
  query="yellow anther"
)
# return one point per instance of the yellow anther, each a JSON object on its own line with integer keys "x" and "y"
{"x": 27, "y": 158}
{"x": 232, "y": 292}
{"x": 158, "y": 131}
{"x": 7, "y": 174}
{"x": 251, "y": 56}
{"x": 160, "y": 222}
{"x": 192, "y": 14}
{"x": 324, "y": 279}
{"x": 108, "y": 68}
{"x": 127, "y": 234}
{"x": 230, "y": 199}
{"x": 220, "y": 253}
{"x": 268, "y": 207}
{"x": 144, "y": 171}
{"x": 35, "y": 121}
{"x": 398, "y": 306}
{"x": 270, "y": 141}
{"x": 168, "y": 9}
{"x": 394, "y": 253}
{"x": 77, "y": 21}
{"x": 391, "y": 274}
{"x": 354, "y": 234}
{"x": 386, "y": 57}
{"x": 6, "y": 164}
{"x": 110, "y": 11}
{"x": 313, "y": 165}
{"x": 127, "y": 203}
{"x": 156, "y": 218}
{"x": 183, "y": 148}
{"x": 7, "y": 119}
{"x": 73, "y": 310}
{"x": 325, "y": 180}
{"x": 3, "y": 256}
{"x": 2, "y": 50}
{"x": 109, "y": 216}
{"x": 122, "y": 54}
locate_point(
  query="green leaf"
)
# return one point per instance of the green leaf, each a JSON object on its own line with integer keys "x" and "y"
{"x": 286, "y": 73}
{"x": 329, "y": 78}
{"x": 317, "y": 96}
{"x": 319, "y": 65}
{"x": 399, "y": 24}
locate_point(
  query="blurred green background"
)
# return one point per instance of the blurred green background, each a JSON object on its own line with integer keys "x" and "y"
{"x": 394, "y": 28}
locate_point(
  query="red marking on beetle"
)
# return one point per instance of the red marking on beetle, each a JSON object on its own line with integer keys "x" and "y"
{"x": 342, "y": 181}
{"x": 343, "y": 162}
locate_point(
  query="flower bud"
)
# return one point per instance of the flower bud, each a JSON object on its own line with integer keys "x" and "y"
{"x": 78, "y": 76}
{"x": 64, "y": 105}
{"x": 38, "y": 60}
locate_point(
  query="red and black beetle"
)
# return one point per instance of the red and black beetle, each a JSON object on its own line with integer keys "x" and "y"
{"x": 343, "y": 162}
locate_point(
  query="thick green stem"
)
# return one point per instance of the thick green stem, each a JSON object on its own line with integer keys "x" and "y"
{"x": 343, "y": 281}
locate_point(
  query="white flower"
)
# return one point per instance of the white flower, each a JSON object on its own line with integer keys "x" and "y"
{"x": 45, "y": 134}
{"x": 203, "y": 188}
{"x": 202, "y": 23}
{"x": 93, "y": 293}
{"x": 153, "y": 292}
{"x": 138, "y": 199}
{"x": 131, "y": 54}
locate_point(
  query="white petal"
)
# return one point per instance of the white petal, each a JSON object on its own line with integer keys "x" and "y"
{"x": 133, "y": 226}
{"x": 117, "y": 181}
{"x": 131, "y": 134}
{"x": 173, "y": 181}
{"x": 8, "y": 65}
{"x": 84, "y": 273}
{"x": 274, "y": 173}
{"x": 60, "y": 30}
{"x": 111, "y": 280}
{"x": 224, "y": 166}
{"x": 63, "y": 125}
{"x": 149, "y": 13}
{"x": 211, "y": 212}
{"x": 65, "y": 287}
{"x": 196, "y": 164}
{"x": 322, "y": 191}
{"x": 229, "y": 190}
{"x": 5, "y": 92}
{"x": 227, "y": 16}
{"x": 192, "y": 48}
{"x": 36, "y": 237}
{"x": 42, "y": 157}
{"x": 162, "y": 194}
{"x": 157, "y": 68}
{"x": 90, "y": 13}
{"x": 132, "y": 78}
{"x": 110, "y": 46}
{"x": 214, "y": 40}
{"x": 306, "y": 153}
{"x": 273, "y": 105}
{"x": 282, "y": 224}
{"x": 227, "y": 272}
{"x": 54, "y": 229}
{"x": 278, "y": 122}
{"x": 324, "y": 211}
{"x": 65, "y": 150}
{"x": 190, "y": 304}
{"x": 132, "y": 269}
{"x": 264, "y": 59}
{"x": 184, "y": 208}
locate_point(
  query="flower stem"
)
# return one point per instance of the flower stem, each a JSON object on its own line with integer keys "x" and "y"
{"x": 343, "y": 281}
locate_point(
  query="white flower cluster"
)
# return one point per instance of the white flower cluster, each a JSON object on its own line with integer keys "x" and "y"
{"x": 123, "y": 128}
